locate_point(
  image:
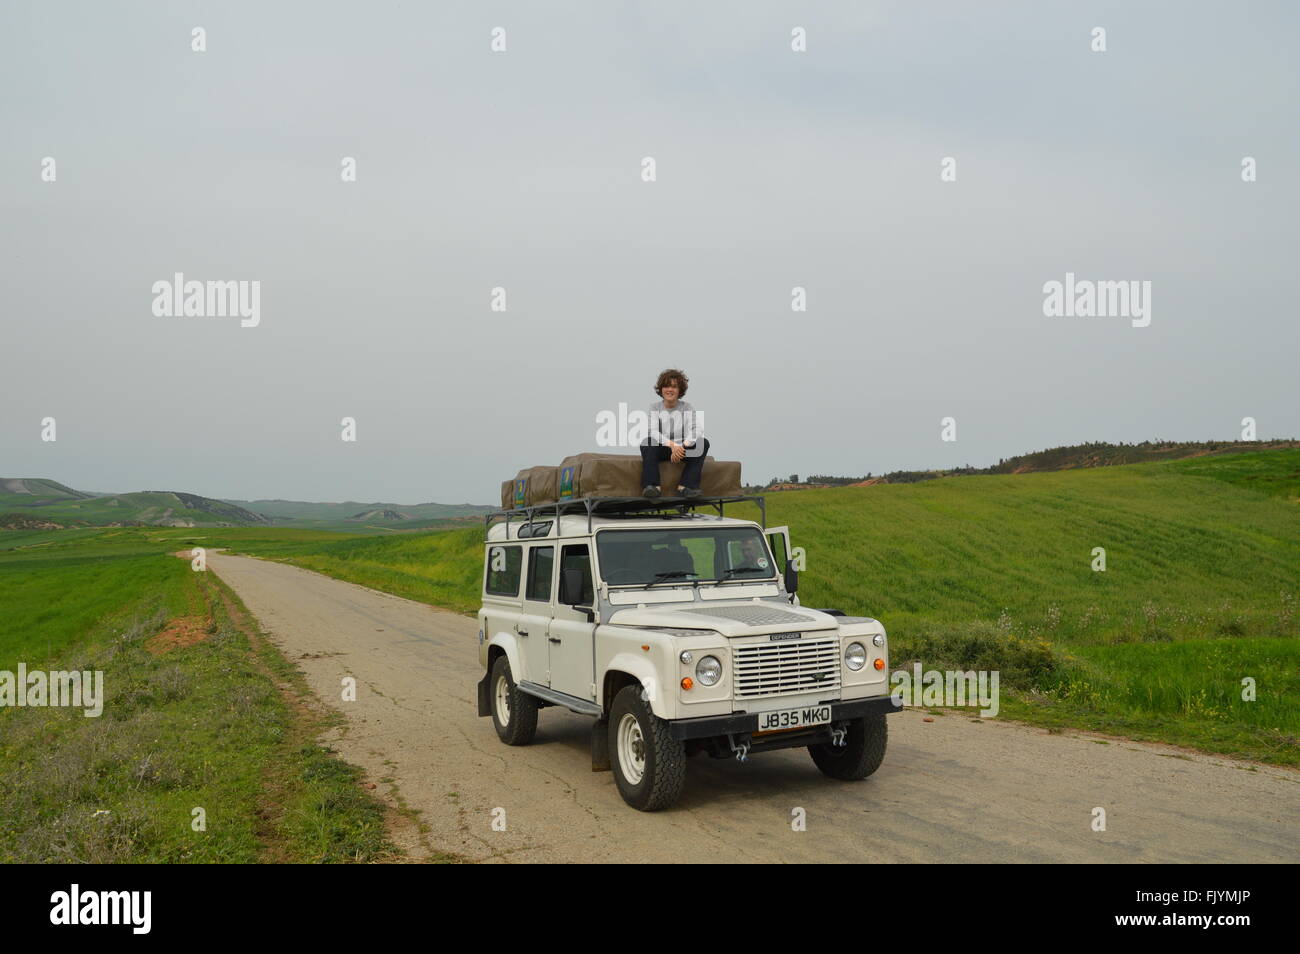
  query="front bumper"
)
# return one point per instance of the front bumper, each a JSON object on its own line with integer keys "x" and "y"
{"x": 745, "y": 723}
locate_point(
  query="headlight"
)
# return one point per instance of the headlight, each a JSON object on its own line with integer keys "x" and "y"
{"x": 686, "y": 656}
{"x": 709, "y": 671}
{"x": 878, "y": 640}
{"x": 855, "y": 657}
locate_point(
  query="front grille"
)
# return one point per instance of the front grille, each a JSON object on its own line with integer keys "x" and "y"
{"x": 780, "y": 668}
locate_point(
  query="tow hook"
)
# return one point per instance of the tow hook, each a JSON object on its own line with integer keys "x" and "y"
{"x": 741, "y": 750}
{"x": 839, "y": 736}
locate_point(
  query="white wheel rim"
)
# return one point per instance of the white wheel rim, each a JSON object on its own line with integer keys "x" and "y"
{"x": 503, "y": 700}
{"x": 631, "y": 748}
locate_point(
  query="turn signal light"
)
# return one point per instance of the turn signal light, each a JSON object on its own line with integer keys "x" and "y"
{"x": 687, "y": 682}
{"x": 880, "y": 664}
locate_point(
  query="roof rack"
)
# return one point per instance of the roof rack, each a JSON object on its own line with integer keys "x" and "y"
{"x": 620, "y": 507}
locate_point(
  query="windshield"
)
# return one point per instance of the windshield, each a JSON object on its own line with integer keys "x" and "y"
{"x": 719, "y": 554}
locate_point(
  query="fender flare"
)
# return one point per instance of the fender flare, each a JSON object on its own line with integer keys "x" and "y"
{"x": 640, "y": 668}
{"x": 509, "y": 642}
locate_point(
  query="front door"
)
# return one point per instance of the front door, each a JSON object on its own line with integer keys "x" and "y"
{"x": 571, "y": 636}
{"x": 778, "y": 538}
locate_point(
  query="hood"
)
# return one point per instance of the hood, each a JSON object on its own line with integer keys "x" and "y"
{"x": 730, "y": 619}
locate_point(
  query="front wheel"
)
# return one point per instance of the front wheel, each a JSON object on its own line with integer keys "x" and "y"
{"x": 514, "y": 712}
{"x": 649, "y": 764}
{"x": 860, "y": 755}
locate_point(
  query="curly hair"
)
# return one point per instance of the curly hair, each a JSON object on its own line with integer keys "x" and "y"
{"x": 670, "y": 375}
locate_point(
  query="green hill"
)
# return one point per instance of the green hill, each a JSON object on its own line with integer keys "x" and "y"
{"x": 1104, "y": 454}
{"x": 1070, "y": 457}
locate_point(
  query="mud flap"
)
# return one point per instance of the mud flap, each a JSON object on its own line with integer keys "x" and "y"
{"x": 600, "y": 746}
{"x": 485, "y": 695}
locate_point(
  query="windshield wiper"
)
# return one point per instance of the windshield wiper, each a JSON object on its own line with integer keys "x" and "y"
{"x": 672, "y": 575}
{"x": 740, "y": 569}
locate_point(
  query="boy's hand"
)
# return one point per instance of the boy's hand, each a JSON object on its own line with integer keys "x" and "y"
{"x": 679, "y": 452}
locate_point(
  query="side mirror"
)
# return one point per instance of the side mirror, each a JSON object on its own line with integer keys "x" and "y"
{"x": 791, "y": 578}
{"x": 571, "y": 586}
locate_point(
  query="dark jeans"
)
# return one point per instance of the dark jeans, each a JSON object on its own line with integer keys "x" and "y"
{"x": 652, "y": 454}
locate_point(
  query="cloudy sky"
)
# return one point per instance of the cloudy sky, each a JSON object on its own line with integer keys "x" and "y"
{"x": 522, "y": 169}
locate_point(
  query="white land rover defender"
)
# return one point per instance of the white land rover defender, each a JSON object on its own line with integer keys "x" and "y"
{"x": 675, "y": 631}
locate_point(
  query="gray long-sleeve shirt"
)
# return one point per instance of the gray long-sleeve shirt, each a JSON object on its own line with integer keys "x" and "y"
{"x": 680, "y": 425}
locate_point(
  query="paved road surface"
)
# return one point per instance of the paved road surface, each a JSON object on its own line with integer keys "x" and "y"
{"x": 949, "y": 790}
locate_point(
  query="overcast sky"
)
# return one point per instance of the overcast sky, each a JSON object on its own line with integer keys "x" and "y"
{"x": 523, "y": 169}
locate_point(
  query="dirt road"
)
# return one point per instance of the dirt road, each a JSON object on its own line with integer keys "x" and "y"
{"x": 949, "y": 790}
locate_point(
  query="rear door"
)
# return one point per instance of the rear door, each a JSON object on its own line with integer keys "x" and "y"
{"x": 502, "y": 579}
{"x": 535, "y": 616}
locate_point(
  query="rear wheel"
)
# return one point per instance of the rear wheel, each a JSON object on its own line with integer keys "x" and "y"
{"x": 514, "y": 712}
{"x": 860, "y": 755}
{"x": 649, "y": 764}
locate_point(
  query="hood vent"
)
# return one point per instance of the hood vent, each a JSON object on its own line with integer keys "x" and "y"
{"x": 754, "y": 615}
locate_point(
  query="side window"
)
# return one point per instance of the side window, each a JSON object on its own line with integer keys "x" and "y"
{"x": 503, "y": 565}
{"x": 540, "y": 562}
{"x": 576, "y": 557}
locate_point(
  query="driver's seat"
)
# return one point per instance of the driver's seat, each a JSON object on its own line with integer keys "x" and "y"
{"x": 674, "y": 560}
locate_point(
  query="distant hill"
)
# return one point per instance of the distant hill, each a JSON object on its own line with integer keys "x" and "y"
{"x": 28, "y": 503}
{"x": 393, "y": 516}
{"x": 40, "y": 491}
{"x": 34, "y": 503}
{"x": 389, "y": 515}
{"x": 1072, "y": 457}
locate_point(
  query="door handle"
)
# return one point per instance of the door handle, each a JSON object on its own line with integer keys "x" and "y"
{"x": 555, "y": 639}
{"x": 521, "y": 632}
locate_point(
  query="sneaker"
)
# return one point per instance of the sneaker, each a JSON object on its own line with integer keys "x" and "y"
{"x": 650, "y": 490}
{"x": 691, "y": 492}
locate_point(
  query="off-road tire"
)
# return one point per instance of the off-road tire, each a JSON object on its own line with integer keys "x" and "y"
{"x": 862, "y": 753}
{"x": 664, "y": 757}
{"x": 520, "y": 723}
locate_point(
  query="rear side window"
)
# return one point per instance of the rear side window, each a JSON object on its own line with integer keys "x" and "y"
{"x": 503, "y": 568}
{"x": 540, "y": 562}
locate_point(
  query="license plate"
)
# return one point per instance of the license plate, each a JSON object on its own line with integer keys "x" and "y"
{"x": 793, "y": 718}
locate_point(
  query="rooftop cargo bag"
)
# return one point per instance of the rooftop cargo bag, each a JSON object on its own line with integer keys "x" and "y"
{"x": 532, "y": 486}
{"x": 619, "y": 475}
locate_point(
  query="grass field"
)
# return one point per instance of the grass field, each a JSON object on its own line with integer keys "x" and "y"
{"x": 1199, "y": 591}
{"x": 204, "y": 725}
{"x": 1274, "y": 473}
